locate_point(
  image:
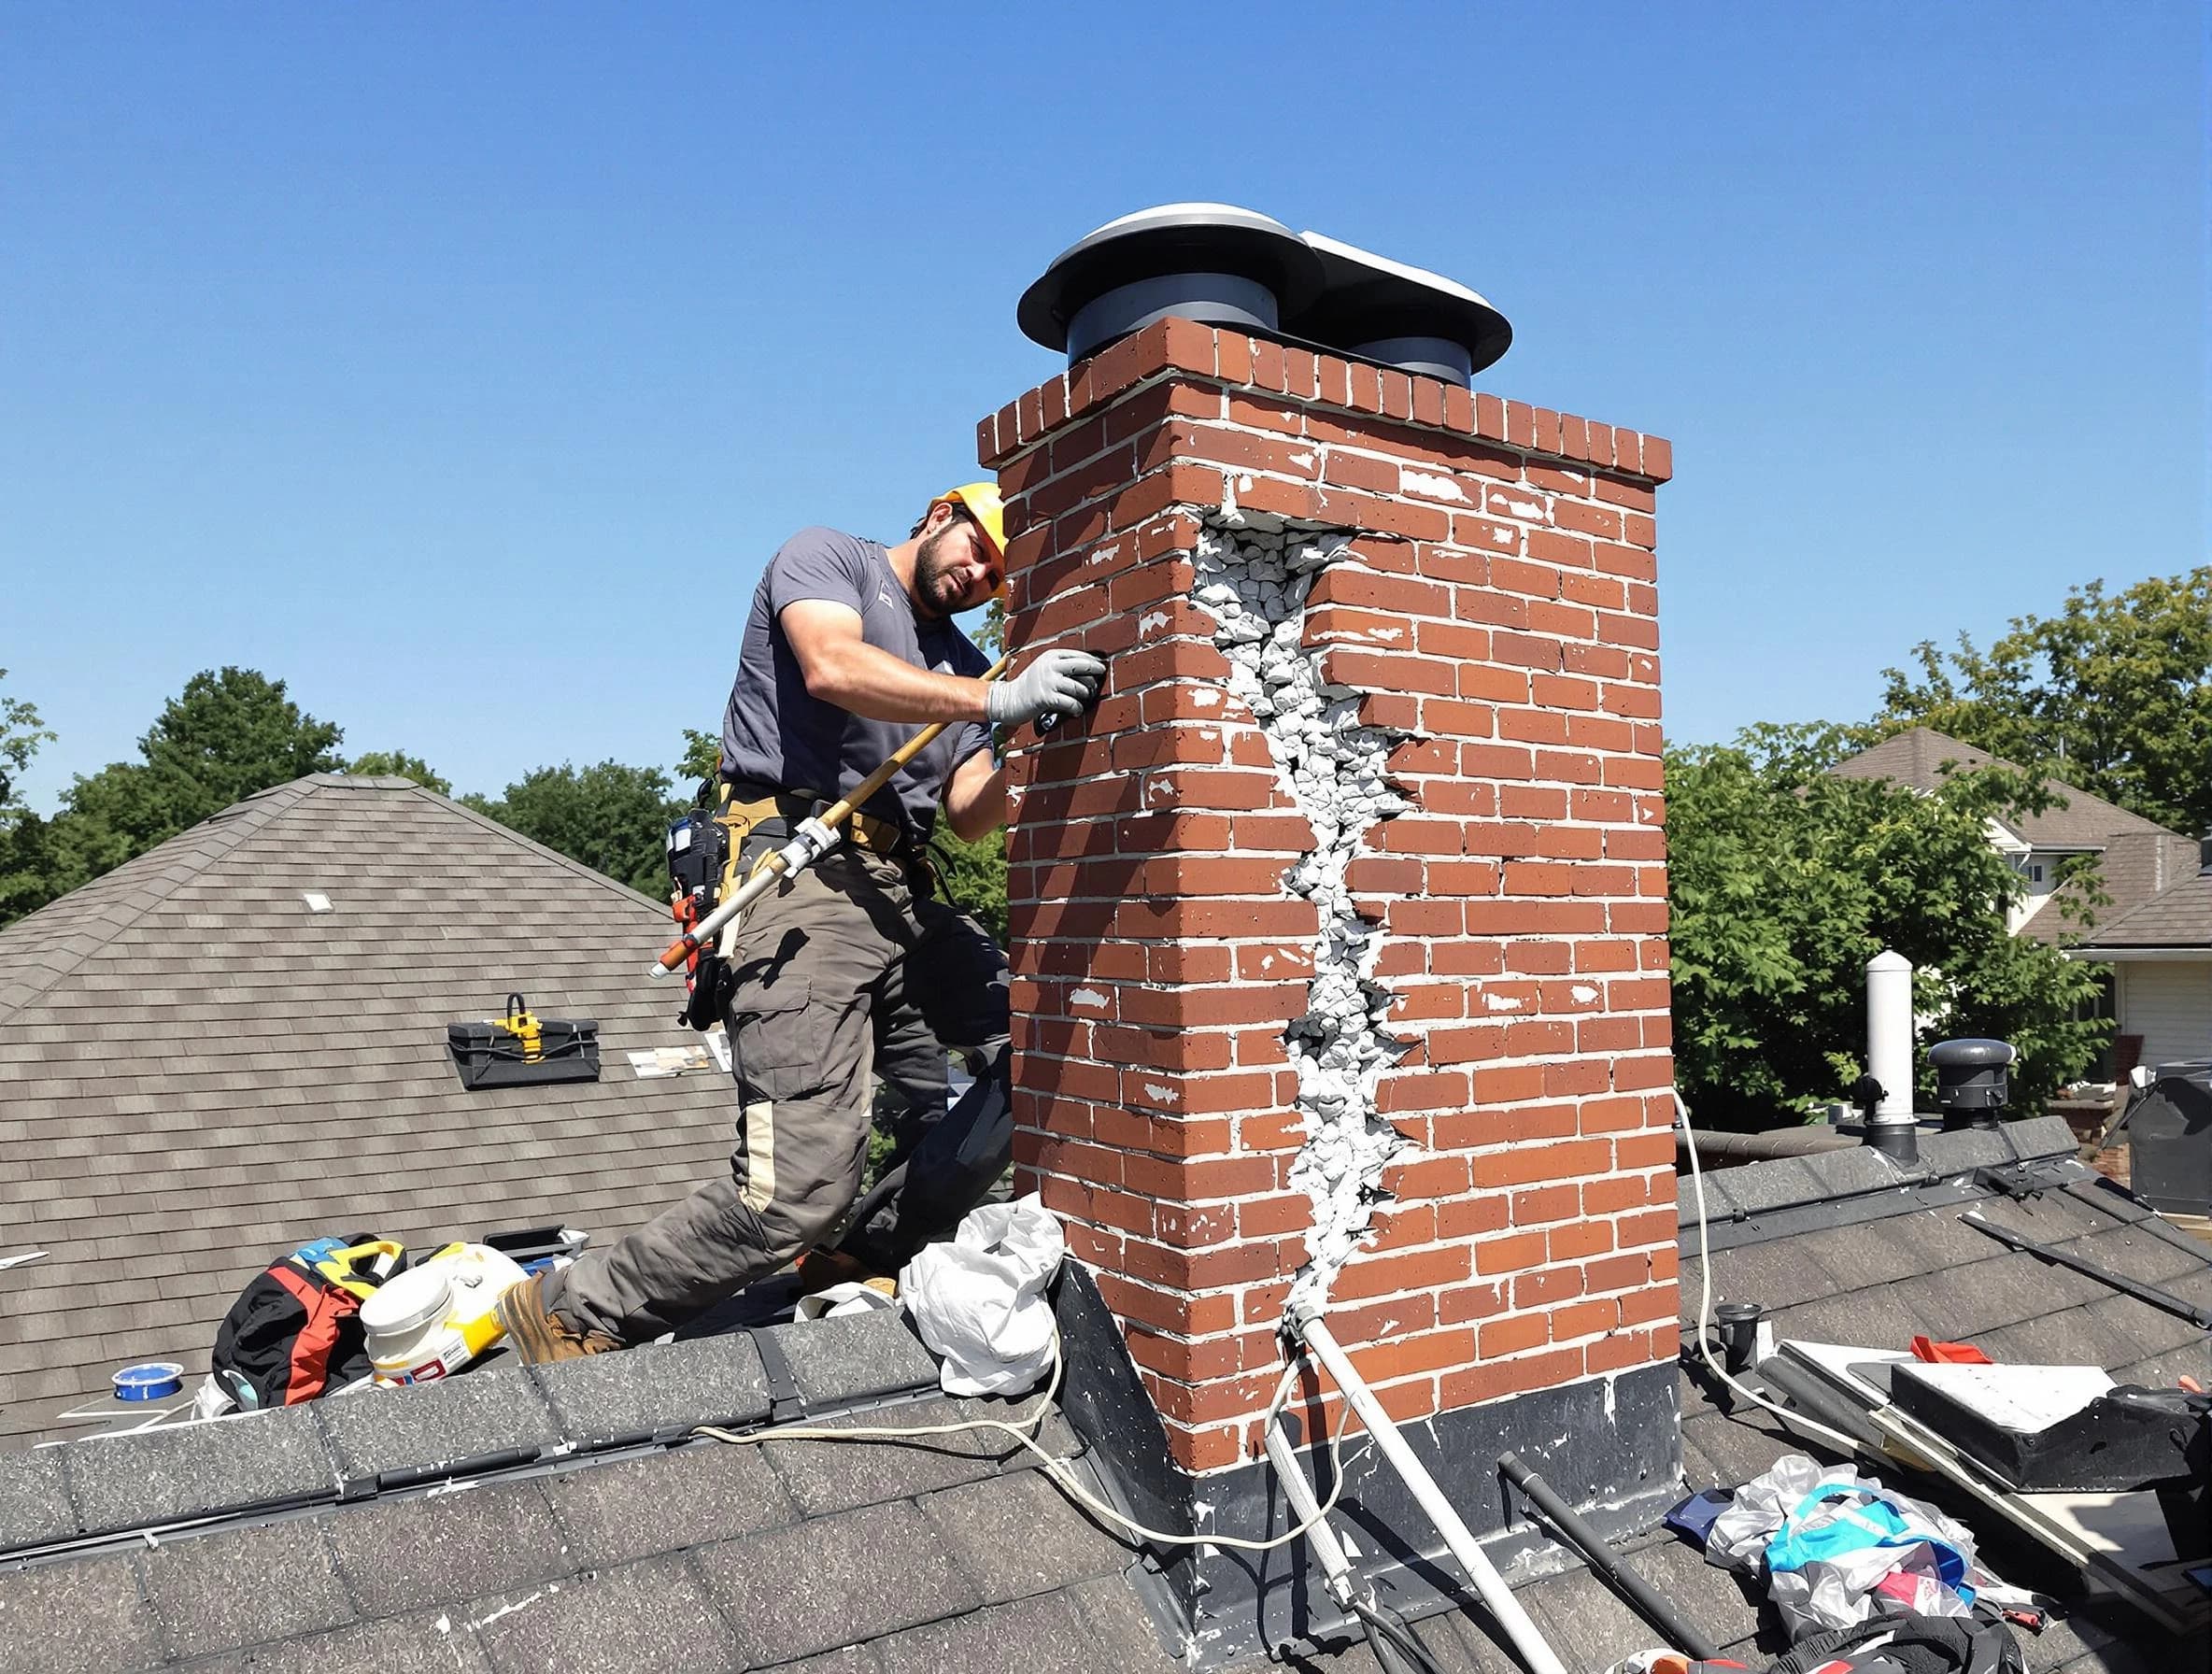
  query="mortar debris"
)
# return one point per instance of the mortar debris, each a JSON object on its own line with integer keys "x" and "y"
{"x": 1254, "y": 574}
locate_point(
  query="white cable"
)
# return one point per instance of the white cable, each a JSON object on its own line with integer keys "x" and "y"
{"x": 1705, "y": 1307}
{"x": 1056, "y": 1467}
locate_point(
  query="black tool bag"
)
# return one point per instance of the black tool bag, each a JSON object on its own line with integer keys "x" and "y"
{"x": 698, "y": 851}
{"x": 1904, "y": 1644}
{"x": 295, "y": 1332}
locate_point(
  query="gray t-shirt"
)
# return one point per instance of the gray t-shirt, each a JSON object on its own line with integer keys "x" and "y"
{"x": 777, "y": 732}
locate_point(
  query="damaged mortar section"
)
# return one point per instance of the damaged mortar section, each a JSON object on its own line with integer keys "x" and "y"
{"x": 1254, "y": 574}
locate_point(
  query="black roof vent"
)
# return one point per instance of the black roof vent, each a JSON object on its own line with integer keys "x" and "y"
{"x": 1970, "y": 1080}
{"x": 1226, "y": 266}
{"x": 1211, "y": 262}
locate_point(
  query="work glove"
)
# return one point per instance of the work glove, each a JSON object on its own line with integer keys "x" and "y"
{"x": 1058, "y": 683}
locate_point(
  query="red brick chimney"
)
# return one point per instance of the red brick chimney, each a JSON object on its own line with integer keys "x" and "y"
{"x": 1338, "y": 927}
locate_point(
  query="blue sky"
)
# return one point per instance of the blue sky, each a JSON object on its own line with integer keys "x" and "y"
{"x": 461, "y": 365}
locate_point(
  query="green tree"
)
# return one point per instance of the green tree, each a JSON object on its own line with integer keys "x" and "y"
{"x": 611, "y": 818}
{"x": 227, "y": 735}
{"x": 2113, "y": 694}
{"x": 25, "y": 860}
{"x": 1786, "y": 880}
{"x": 398, "y": 765}
{"x": 701, "y": 758}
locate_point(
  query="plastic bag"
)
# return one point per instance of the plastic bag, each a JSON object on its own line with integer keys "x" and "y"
{"x": 979, "y": 1301}
{"x": 1835, "y": 1546}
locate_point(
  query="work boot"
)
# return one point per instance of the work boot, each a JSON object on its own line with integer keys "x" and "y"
{"x": 538, "y": 1335}
{"x": 822, "y": 1267}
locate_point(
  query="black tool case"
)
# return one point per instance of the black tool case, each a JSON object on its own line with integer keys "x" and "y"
{"x": 487, "y": 1055}
{"x": 2126, "y": 1438}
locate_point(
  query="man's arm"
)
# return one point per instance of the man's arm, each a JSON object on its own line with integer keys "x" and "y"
{"x": 975, "y": 797}
{"x": 841, "y": 667}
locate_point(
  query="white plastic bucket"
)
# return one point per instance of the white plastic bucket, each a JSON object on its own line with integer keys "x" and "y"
{"x": 431, "y": 1321}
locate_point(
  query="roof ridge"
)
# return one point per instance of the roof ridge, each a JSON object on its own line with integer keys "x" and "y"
{"x": 238, "y": 821}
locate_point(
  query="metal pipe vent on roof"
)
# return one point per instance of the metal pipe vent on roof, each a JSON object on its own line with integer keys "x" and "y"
{"x": 1223, "y": 266}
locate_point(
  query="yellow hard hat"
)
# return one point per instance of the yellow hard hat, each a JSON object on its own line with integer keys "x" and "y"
{"x": 979, "y": 501}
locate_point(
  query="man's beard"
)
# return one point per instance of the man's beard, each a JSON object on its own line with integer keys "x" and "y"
{"x": 930, "y": 565}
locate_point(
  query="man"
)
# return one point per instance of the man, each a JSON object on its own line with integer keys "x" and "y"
{"x": 849, "y": 649}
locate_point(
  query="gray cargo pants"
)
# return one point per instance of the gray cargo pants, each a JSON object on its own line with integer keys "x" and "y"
{"x": 825, "y": 967}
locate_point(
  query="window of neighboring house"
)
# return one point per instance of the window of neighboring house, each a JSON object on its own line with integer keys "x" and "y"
{"x": 2034, "y": 872}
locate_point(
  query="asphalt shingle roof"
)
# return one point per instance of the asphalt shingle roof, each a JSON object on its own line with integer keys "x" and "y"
{"x": 1920, "y": 757}
{"x": 197, "y": 1072}
{"x": 2179, "y": 916}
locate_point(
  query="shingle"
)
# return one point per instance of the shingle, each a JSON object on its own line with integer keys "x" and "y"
{"x": 2136, "y": 1252}
{"x": 1777, "y": 1273}
{"x": 1875, "y": 1319}
{"x": 865, "y": 1574}
{"x": 1737, "y": 1450}
{"x": 657, "y": 1391}
{"x": 629, "y": 1508}
{"x": 429, "y": 1428}
{"x": 1860, "y": 1256}
{"x": 855, "y": 1356}
{"x": 1586, "y": 1624}
{"x": 1761, "y": 1186}
{"x": 243, "y": 1586}
{"x": 197, "y": 1471}
{"x": 852, "y": 1659}
{"x": 2190, "y": 1360}
{"x": 433, "y": 1642}
{"x": 1037, "y": 1636}
{"x": 825, "y": 1477}
{"x": 1018, "y": 1535}
{"x": 1717, "y": 1602}
{"x": 2049, "y": 1217}
{"x": 35, "y": 1505}
{"x": 1859, "y": 1169}
{"x": 2043, "y": 1135}
{"x": 1119, "y": 1627}
{"x": 641, "y": 1619}
{"x": 2071, "y": 1337}
{"x": 1964, "y": 1150}
{"x": 85, "y": 1615}
{"x": 404, "y": 1553}
{"x": 1940, "y": 1241}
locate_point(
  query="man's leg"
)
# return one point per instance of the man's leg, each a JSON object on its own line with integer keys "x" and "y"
{"x": 959, "y": 979}
{"x": 801, "y": 1040}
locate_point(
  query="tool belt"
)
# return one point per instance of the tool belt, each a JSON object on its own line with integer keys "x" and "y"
{"x": 748, "y": 808}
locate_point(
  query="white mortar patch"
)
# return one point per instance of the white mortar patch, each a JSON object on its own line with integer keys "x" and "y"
{"x": 1436, "y": 488}
{"x": 1254, "y": 574}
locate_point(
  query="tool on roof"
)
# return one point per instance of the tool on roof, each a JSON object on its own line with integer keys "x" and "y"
{"x": 1307, "y": 1329}
{"x": 811, "y": 839}
{"x": 1396, "y": 1650}
{"x": 1568, "y": 1524}
{"x": 2164, "y": 1300}
{"x": 522, "y": 1049}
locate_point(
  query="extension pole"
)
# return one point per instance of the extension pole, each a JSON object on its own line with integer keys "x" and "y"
{"x": 1536, "y": 1655}
{"x": 1567, "y": 1522}
{"x": 813, "y": 839}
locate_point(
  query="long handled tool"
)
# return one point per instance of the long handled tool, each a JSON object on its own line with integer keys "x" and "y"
{"x": 811, "y": 839}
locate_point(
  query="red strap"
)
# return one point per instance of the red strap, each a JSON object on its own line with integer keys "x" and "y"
{"x": 1949, "y": 1354}
{"x": 311, "y": 1349}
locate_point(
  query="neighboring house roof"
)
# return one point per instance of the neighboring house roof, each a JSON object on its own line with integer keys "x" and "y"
{"x": 1919, "y": 757}
{"x": 197, "y": 1072}
{"x": 2179, "y": 918}
{"x": 2135, "y": 868}
{"x": 587, "y": 1541}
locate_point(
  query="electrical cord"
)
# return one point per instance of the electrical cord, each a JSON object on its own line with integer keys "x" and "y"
{"x": 1057, "y": 1469}
{"x": 1705, "y": 1308}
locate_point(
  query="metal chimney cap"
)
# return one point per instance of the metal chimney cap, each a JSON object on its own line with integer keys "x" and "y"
{"x": 1215, "y": 263}
{"x": 1393, "y": 311}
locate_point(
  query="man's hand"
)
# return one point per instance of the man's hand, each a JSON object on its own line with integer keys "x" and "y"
{"x": 1058, "y": 683}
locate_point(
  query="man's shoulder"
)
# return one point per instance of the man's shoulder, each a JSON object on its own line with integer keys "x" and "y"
{"x": 819, "y": 542}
